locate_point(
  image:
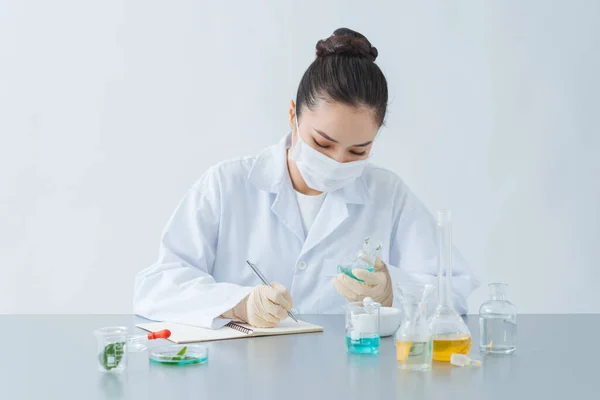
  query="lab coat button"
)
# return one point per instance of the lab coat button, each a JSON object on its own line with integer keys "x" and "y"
{"x": 301, "y": 265}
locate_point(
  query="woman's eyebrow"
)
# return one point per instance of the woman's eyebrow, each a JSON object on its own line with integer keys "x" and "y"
{"x": 326, "y": 136}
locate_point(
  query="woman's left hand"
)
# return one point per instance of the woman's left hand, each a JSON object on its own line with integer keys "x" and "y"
{"x": 376, "y": 285}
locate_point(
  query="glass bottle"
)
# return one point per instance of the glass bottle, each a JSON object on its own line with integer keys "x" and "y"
{"x": 449, "y": 331}
{"x": 363, "y": 259}
{"x": 413, "y": 337}
{"x": 498, "y": 322}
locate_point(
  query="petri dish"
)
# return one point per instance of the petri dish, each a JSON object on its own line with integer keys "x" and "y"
{"x": 179, "y": 354}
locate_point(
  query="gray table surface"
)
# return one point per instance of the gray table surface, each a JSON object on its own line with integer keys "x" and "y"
{"x": 54, "y": 356}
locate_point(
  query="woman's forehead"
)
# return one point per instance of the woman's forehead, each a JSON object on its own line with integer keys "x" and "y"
{"x": 343, "y": 123}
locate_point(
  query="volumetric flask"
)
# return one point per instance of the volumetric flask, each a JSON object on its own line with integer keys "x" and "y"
{"x": 363, "y": 259}
{"x": 413, "y": 338}
{"x": 362, "y": 327}
{"x": 449, "y": 331}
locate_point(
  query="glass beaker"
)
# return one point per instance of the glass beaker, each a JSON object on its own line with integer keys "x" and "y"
{"x": 498, "y": 322}
{"x": 449, "y": 332}
{"x": 363, "y": 259}
{"x": 413, "y": 338}
{"x": 111, "y": 352}
{"x": 362, "y": 327}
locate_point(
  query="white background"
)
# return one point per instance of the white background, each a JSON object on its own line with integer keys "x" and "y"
{"x": 110, "y": 110}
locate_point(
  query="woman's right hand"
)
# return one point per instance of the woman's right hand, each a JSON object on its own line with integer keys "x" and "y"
{"x": 264, "y": 307}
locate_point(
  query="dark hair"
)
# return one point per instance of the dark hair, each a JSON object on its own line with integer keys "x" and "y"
{"x": 345, "y": 71}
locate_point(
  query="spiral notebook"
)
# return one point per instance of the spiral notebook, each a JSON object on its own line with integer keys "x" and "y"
{"x": 189, "y": 334}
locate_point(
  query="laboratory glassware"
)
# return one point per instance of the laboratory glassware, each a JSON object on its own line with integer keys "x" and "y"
{"x": 413, "y": 338}
{"x": 113, "y": 344}
{"x": 362, "y": 259}
{"x": 140, "y": 342}
{"x": 449, "y": 332}
{"x": 362, "y": 326}
{"x": 179, "y": 355}
{"x": 111, "y": 353}
{"x": 498, "y": 322}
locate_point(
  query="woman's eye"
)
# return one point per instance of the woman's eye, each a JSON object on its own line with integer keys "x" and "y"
{"x": 320, "y": 145}
{"x": 358, "y": 153}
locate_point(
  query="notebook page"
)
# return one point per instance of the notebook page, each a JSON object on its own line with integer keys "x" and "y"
{"x": 287, "y": 326}
{"x": 190, "y": 334}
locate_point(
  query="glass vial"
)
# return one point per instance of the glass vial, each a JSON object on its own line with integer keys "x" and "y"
{"x": 498, "y": 322}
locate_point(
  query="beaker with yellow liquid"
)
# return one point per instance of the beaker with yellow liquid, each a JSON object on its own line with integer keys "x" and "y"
{"x": 449, "y": 332}
{"x": 413, "y": 337}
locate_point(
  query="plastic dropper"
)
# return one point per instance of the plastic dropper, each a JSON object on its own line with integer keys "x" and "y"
{"x": 139, "y": 343}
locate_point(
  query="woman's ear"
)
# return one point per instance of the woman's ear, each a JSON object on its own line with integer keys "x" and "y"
{"x": 292, "y": 114}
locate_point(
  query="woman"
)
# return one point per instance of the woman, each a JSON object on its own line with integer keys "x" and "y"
{"x": 295, "y": 210}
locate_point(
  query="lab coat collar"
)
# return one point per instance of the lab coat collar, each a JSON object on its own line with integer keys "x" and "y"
{"x": 269, "y": 172}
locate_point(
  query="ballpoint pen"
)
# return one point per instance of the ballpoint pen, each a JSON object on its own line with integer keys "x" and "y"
{"x": 266, "y": 282}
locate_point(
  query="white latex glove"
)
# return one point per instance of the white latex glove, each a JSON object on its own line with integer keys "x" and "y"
{"x": 377, "y": 285}
{"x": 264, "y": 307}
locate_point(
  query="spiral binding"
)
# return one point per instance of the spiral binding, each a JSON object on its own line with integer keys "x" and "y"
{"x": 239, "y": 328}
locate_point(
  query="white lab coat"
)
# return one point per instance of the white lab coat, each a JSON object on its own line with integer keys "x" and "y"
{"x": 246, "y": 209}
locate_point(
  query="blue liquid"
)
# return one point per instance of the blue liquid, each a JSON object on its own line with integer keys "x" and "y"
{"x": 365, "y": 345}
{"x": 348, "y": 271}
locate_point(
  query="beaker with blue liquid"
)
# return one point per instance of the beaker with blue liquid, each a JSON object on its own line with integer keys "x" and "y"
{"x": 363, "y": 259}
{"x": 362, "y": 327}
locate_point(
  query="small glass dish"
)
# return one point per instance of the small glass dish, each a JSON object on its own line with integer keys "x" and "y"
{"x": 179, "y": 354}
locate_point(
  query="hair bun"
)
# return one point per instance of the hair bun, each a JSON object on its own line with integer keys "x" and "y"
{"x": 348, "y": 42}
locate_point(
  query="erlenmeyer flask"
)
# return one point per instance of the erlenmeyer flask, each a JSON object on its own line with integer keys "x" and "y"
{"x": 413, "y": 337}
{"x": 363, "y": 259}
{"x": 449, "y": 332}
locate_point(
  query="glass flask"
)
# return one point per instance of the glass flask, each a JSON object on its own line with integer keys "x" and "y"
{"x": 363, "y": 259}
{"x": 362, "y": 327}
{"x": 449, "y": 332}
{"x": 413, "y": 338}
{"x": 498, "y": 322}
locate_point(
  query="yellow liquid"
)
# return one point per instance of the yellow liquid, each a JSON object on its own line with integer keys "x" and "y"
{"x": 406, "y": 350}
{"x": 444, "y": 348}
{"x": 414, "y": 356}
{"x": 402, "y": 350}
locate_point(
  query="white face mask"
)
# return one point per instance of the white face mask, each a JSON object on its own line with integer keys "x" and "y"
{"x": 321, "y": 172}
